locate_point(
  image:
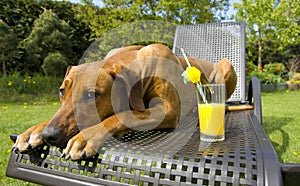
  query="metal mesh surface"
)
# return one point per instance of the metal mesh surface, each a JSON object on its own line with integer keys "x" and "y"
{"x": 148, "y": 158}
{"x": 213, "y": 42}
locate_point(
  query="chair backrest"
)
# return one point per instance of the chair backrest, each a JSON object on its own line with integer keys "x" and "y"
{"x": 213, "y": 42}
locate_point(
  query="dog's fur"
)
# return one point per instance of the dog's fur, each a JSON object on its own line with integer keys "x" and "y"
{"x": 135, "y": 87}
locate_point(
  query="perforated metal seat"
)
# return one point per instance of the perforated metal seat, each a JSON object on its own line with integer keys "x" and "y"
{"x": 151, "y": 158}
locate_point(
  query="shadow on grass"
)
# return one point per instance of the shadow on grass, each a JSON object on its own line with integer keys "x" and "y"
{"x": 273, "y": 124}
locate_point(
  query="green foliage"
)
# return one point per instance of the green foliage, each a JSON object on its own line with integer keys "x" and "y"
{"x": 272, "y": 28}
{"x": 20, "y": 15}
{"x": 271, "y": 73}
{"x": 123, "y": 23}
{"x": 250, "y": 67}
{"x": 49, "y": 35}
{"x": 8, "y": 46}
{"x": 265, "y": 78}
{"x": 16, "y": 87}
{"x": 79, "y": 31}
{"x": 117, "y": 13}
{"x": 137, "y": 33}
{"x": 276, "y": 20}
{"x": 55, "y": 64}
{"x": 275, "y": 68}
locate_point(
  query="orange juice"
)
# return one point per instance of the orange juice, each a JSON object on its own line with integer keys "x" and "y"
{"x": 211, "y": 118}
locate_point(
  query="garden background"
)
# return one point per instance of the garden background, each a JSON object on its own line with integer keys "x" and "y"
{"x": 39, "y": 39}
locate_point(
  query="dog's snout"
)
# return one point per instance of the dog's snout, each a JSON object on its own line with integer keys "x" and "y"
{"x": 51, "y": 135}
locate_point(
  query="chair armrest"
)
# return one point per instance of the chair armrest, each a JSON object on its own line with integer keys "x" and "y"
{"x": 254, "y": 97}
{"x": 291, "y": 174}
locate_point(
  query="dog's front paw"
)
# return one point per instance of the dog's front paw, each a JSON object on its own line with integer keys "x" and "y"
{"x": 78, "y": 148}
{"x": 29, "y": 140}
{"x": 85, "y": 144}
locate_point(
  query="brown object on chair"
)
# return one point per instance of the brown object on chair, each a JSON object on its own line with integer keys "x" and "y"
{"x": 239, "y": 107}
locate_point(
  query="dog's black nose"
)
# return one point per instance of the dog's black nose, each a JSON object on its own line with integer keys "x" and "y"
{"x": 51, "y": 135}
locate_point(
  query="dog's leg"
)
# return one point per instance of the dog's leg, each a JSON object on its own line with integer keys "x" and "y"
{"x": 30, "y": 139}
{"x": 89, "y": 141}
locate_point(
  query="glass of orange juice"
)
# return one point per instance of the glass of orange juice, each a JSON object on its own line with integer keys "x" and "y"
{"x": 211, "y": 109}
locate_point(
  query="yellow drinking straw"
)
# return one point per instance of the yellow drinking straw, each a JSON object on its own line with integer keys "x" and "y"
{"x": 192, "y": 74}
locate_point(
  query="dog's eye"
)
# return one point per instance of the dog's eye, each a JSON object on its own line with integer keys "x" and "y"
{"x": 61, "y": 92}
{"x": 92, "y": 95}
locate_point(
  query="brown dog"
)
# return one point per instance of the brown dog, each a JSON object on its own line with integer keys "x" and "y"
{"x": 133, "y": 88}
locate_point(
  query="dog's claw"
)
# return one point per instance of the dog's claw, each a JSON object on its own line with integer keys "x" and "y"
{"x": 82, "y": 154}
{"x": 16, "y": 149}
{"x": 62, "y": 155}
{"x": 68, "y": 157}
{"x": 29, "y": 147}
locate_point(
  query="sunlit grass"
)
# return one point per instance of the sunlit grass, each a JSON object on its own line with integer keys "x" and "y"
{"x": 281, "y": 122}
{"x": 14, "y": 119}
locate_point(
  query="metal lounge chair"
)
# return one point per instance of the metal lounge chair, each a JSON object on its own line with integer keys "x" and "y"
{"x": 177, "y": 157}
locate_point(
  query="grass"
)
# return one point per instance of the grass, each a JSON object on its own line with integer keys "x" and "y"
{"x": 281, "y": 121}
{"x": 15, "y": 118}
{"x": 25, "y": 88}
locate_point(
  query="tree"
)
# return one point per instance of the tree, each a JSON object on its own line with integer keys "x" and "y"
{"x": 180, "y": 11}
{"x": 116, "y": 13}
{"x": 271, "y": 25}
{"x": 121, "y": 23}
{"x": 8, "y": 45}
{"x": 79, "y": 31}
{"x": 55, "y": 64}
{"x": 20, "y": 15}
{"x": 49, "y": 35}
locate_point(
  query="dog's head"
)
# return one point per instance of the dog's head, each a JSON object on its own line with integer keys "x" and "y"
{"x": 90, "y": 93}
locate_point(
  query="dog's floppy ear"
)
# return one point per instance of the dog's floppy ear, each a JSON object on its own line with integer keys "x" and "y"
{"x": 68, "y": 70}
{"x": 226, "y": 74}
{"x": 129, "y": 84}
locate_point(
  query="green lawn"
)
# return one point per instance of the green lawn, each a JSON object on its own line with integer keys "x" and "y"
{"x": 15, "y": 118}
{"x": 281, "y": 121}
